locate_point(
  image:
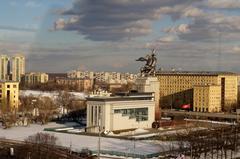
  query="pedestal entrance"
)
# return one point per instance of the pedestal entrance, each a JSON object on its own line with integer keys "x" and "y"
{"x": 150, "y": 84}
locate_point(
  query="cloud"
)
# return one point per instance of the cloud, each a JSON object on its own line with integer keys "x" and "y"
{"x": 32, "y": 4}
{"x": 109, "y": 20}
{"x": 59, "y": 24}
{"x": 3, "y": 27}
{"x": 206, "y": 26}
{"x": 163, "y": 41}
{"x": 236, "y": 49}
{"x": 13, "y": 3}
{"x": 223, "y": 4}
{"x": 182, "y": 28}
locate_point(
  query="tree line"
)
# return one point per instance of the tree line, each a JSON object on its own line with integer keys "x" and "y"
{"x": 217, "y": 142}
{"x": 43, "y": 109}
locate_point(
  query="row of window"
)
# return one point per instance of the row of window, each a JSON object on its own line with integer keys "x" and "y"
{"x": 141, "y": 114}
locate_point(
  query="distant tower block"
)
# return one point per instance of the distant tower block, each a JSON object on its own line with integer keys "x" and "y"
{"x": 150, "y": 84}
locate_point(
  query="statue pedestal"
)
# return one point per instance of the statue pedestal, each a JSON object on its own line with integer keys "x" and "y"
{"x": 150, "y": 84}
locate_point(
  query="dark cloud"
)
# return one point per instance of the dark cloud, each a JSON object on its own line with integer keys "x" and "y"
{"x": 112, "y": 20}
{"x": 203, "y": 26}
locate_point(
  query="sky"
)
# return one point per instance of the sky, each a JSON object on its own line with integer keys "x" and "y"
{"x": 108, "y": 35}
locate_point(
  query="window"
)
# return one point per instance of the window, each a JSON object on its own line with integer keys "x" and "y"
{"x": 14, "y": 86}
{"x": 141, "y": 114}
{"x": 8, "y": 86}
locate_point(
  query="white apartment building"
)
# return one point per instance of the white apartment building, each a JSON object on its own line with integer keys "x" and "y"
{"x": 108, "y": 77}
{"x": 123, "y": 111}
{"x": 80, "y": 74}
{"x": 35, "y": 78}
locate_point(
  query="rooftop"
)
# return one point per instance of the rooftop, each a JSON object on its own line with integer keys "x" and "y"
{"x": 8, "y": 81}
{"x": 69, "y": 79}
{"x": 123, "y": 97}
{"x": 209, "y": 73}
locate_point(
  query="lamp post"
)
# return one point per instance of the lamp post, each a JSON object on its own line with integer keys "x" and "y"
{"x": 99, "y": 140}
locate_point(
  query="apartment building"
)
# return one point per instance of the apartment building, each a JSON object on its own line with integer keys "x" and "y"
{"x": 79, "y": 84}
{"x": 9, "y": 93}
{"x": 4, "y": 67}
{"x": 18, "y": 67}
{"x": 176, "y": 88}
{"x": 80, "y": 74}
{"x": 105, "y": 77}
{"x": 207, "y": 98}
{"x": 35, "y": 78}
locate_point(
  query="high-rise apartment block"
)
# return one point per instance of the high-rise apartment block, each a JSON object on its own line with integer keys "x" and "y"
{"x": 12, "y": 68}
{"x": 202, "y": 90}
{"x": 18, "y": 67}
{"x": 4, "y": 67}
{"x": 9, "y": 92}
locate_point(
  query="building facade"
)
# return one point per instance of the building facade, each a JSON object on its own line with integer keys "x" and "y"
{"x": 4, "y": 67}
{"x": 105, "y": 77}
{"x": 120, "y": 112}
{"x": 18, "y": 67}
{"x": 79, "y": 84}
{"x": 9, "y": 94}
{"x": 176, "y": 88}
{"x": 207, "y": 98}
{"x": 35, "y": 78}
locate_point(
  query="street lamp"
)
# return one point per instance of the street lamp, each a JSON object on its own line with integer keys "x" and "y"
{"x": 99, "y": 139}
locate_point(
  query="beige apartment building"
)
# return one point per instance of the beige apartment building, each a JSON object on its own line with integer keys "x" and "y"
{"x": 207, "y": 98}
{"x": 79, "y": 84}
{"x": 4, "y": 67}
{"x": 18, "y": 67}
{"x": 177, "y": 88}
{"x": 9, "y": 93}
{"x": 35, "y": 78}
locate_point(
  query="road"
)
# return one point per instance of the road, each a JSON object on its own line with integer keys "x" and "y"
{"x": 175, "y": 113}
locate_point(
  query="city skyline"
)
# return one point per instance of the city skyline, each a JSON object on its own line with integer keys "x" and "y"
{"x": 108, "y": 36}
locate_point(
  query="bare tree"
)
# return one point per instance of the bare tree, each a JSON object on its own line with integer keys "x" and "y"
{"x": 65, "y": 99}
{"x": 42, "y": 138}
{"x": 27, "y": 105}
{"x": 212, "y": 142}
{"x": 47, "y": 109}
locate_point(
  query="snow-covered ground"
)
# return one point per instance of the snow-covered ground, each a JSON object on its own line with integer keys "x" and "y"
{"x": 53, "y": 94}
{"x": 211, "y": 121}
{"x": 77, "y": 142}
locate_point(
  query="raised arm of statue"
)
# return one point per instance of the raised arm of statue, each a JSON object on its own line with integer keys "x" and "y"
{"x": 141, "y": 59}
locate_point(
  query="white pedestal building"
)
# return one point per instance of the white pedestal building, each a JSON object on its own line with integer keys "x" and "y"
{"x": 150, "y": 84}
{"x": 119, "y": 112}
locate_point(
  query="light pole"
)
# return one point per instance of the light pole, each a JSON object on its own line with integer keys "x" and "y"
{"x": 99, "y": 141}
{"x": 99, "y": 135}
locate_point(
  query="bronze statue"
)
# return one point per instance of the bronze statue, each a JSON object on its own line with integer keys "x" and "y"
{"x": 150, "y": 67}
